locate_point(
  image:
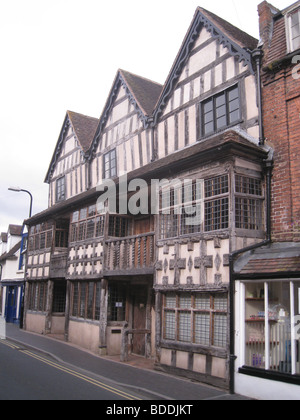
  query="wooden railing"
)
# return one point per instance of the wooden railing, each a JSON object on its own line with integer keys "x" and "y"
{"x": 130, "y": 254}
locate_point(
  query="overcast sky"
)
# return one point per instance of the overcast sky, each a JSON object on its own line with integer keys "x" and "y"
{"x": 59, "y": 55}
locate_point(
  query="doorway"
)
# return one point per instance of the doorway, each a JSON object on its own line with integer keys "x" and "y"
{"x": 11, "y": 304}
{"x": 139, "y": 297}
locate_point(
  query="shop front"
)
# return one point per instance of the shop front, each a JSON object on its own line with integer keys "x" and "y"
{"x": 267, "y": 323}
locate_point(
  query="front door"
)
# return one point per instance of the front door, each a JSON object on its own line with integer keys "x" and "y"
{"x": 11, "y": 304}
{"x": 139, "y": 319}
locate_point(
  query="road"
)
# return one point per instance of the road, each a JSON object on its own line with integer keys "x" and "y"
{"x": 29, "y": 375}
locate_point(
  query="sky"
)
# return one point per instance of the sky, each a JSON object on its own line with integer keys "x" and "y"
{"x": 59, "y": 55}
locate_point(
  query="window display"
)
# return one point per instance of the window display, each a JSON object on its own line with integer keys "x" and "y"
{"x": 271, "y": 326}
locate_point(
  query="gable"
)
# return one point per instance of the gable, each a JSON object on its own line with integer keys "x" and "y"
{"x": 129, "y": 94}
{"x": 76, "y": 136}
{"x": 219, "y": 36}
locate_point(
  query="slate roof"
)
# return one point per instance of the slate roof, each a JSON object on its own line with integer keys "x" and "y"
{"x": 148, "y": 97}
{"x": 240, "y": 37}
{"x": 276, "y": 51}
{"x": 145, "y": 91}
{"x": 11, "y": 253}
{"x": 84, "y": 127}
{"x": 15, "y": 230}
{"x": 278, "y": 259}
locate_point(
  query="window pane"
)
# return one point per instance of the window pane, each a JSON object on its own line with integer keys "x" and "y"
{"x": 97, "y": 301}
{"x": 82, "y": 312}
{"x": 202, "y": 302}
{"x": 169, "y": 325}
{"x": 220, "y": 303}
{"x": 185, "y": 301}
{"x": 220, "y": 330}
{"x": 75, "y": 299}
{"x": 202, "y": 328}
{"x": 184, "y": 326}
{"x": 171, "y": 300}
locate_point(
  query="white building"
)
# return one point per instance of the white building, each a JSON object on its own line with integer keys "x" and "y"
{"x": 12, "y": 274}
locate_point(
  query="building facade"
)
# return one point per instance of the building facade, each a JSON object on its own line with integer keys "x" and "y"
{"x": 12, "y": 274}
{"x": 146, "y": 205}
{"x": 267, "y": 279}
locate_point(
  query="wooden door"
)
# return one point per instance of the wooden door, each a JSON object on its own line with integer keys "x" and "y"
{"x": 139, "y": 319}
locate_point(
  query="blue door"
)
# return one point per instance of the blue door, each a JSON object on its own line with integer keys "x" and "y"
{"x": 11, "y": 304}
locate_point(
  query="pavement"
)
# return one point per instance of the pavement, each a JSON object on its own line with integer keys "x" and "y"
{"x": 138, "y": 374}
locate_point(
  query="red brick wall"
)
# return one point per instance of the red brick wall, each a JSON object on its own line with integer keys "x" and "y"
{"x": 281, "y": 115}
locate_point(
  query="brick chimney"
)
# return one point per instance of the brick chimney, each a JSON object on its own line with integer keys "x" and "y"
{"x": 266, "y": 12}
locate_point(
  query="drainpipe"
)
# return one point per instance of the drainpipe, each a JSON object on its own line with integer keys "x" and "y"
{"x": 232, "y": 256}
{"x": 257, "y": 55}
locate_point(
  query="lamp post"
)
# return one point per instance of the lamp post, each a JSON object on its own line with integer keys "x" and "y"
{"x": 17, "y": 189}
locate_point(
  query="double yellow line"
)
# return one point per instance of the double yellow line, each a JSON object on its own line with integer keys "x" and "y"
{"x": 72, "y": 372}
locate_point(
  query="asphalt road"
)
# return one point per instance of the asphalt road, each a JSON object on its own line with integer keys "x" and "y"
{"x": 29, "y": 375}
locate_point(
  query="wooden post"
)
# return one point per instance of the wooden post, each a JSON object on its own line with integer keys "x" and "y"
{"x": 103, "y": 318}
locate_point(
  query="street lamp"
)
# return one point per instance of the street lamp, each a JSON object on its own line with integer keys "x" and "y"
{"x": 17, "y": 189}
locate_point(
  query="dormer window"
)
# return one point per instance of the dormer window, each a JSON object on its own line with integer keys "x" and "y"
{"x": 293, "y": 30}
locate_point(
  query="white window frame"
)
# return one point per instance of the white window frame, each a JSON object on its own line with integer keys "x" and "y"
{"x": 293, "y": 291}
{"x": 288, "y": 27}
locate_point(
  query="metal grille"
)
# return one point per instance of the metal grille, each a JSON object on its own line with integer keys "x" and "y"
{"x": 59, "y": 297}
{"x": 116, "y": 303}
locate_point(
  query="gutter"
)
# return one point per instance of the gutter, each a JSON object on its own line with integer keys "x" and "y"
{"x": 232, "y": 278}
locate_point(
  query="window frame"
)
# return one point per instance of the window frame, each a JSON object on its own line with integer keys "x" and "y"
{"x": 173, "y": 215}
{"x": 81, "y": 222}
{"x": 174, "y": 319}
{"x": 248, "y": 202}
{"x": 214, "y": 111}
{"x": 85, "y": 300}
{"x": 263, "y": 366}
{"x": 110, "y": 170}
{"x": 60, "y": 189}
{"x": 289, "y": 32}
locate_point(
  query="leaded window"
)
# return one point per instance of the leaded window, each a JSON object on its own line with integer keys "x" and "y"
{"x": 197, "y": 318}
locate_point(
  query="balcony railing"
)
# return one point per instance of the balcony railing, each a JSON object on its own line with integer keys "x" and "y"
{"x": 130, "y": 255}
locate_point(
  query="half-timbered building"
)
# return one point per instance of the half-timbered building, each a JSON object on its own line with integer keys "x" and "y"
{"x": 150, "y": 274}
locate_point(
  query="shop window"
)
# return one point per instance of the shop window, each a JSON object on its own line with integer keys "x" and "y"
{"x": 272, "y": 320}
